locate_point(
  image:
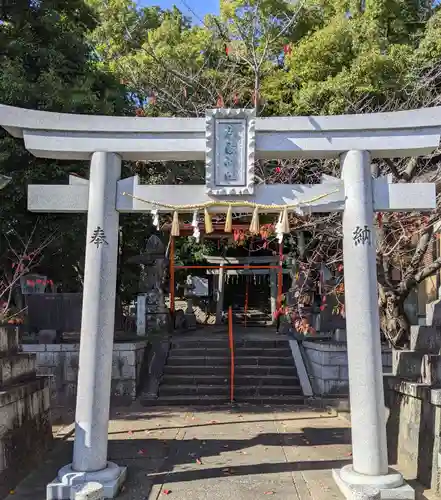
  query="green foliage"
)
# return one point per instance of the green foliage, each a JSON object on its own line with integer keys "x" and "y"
{"x": 47, "y": 64}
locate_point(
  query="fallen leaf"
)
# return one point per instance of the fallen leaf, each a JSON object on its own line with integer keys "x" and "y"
{"x": 12, "y": 492}
{"x": 166, "y": 492}
{"x": 269, "y": 493}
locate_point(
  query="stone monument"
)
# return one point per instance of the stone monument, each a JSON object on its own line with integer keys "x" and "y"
{"x": 152, "y": 314}
{"x": 190, "y": 317}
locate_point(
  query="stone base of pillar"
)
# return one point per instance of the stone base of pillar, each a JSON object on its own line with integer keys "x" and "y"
{"x": 111, "y": 478}
{"x": 391, "y": 486}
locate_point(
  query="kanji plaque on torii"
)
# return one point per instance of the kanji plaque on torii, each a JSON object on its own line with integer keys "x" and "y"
{"x": 230, "y": 136}
{"x": 229, "y": 140}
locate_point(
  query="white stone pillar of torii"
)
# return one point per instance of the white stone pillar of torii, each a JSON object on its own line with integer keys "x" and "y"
{"x": 229, "y": 141}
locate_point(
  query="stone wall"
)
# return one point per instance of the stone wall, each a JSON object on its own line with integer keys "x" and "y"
{"x": 60, "y": 362}
{"x": 413, "y": 400}
{"x": 413, "y": 429}
{"x": 25, "y": 428}
{"x": 327, "y": 366}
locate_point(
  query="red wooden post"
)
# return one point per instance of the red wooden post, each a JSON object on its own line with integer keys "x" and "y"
{"x": 280, "y": 277}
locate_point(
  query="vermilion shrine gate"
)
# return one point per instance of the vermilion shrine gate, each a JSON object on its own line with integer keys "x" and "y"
{"x": 229, "y": 141}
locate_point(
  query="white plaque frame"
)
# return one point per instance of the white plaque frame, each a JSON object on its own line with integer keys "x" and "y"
{"x": 246, "y": 118}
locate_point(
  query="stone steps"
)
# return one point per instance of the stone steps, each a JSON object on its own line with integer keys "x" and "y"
{"x": 197, "y": 372}
{"x": 202, "y": 400}
{"x": 225, "y": 360}
{"x": 239, "y": 370}
{"x": 221, "y": 341}
{"x": 250, "y": 380}
{"x": 238, "y": 351}
{"x": 240, "y": 390}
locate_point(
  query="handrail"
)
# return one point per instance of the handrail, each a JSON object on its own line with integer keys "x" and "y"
{"x": 231, "y": 341}
{"x": 172, "y": 279}
{"x": 280, "y": 277}
{"x": 246, "y": 300}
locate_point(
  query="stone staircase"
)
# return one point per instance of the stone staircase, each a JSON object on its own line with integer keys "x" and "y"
{"x": 197, "y": 372}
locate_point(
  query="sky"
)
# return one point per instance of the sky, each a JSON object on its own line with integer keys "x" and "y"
{"x": 193, "y": 8}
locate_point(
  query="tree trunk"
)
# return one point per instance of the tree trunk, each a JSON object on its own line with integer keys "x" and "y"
{"x": 394, "y": 322}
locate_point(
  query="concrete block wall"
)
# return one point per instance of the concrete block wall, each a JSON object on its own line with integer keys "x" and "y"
{"x": 25, "y": 428}
{"x": 61, "y": 361}
{"x": 327, "y": 366}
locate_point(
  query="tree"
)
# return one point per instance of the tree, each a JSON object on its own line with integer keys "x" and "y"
{"x": 18, "y": 259}
{"x": 354, "y": 64}
{"x": 48, "y": 64}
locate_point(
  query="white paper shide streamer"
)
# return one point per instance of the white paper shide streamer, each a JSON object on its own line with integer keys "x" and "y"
{"x": 195, "y": 225}
{"x": 155, "y": 216}
{"x": 279, "y": 229}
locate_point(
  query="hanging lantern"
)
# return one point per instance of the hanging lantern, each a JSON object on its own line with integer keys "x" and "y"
{"x": 220, "y": 102}
{"x": 287, "y": 49}
{"x": 236, "y": 99}
{"x": 152, "y": 99}
{"x": 227, "y": 50}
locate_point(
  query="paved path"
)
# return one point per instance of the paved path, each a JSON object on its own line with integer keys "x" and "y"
{"x": 247, "y": 453}
{"x": 244, "y": 454}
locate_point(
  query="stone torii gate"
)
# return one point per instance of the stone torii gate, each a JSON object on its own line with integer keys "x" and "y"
{"x": 229, "y": 140}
